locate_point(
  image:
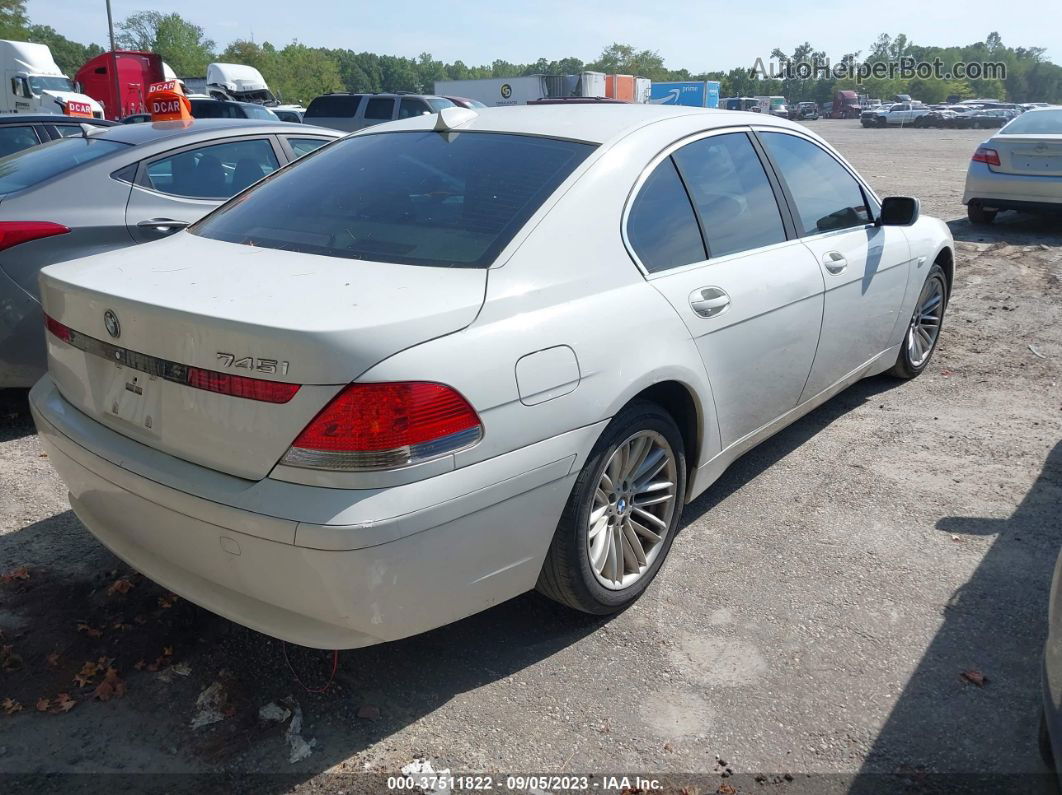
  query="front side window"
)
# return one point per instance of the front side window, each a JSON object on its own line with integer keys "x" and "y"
{"x": 412, "y": 107}
{"x": 379, "y": 108}
{"x": 213, "y": 172}
{"x": 731, "y": 192}
{"x": 419, "y": 198}
{"x": 826, "y": 195}
{"x": 33, "y": 166}
{"x": 661, "y": 227}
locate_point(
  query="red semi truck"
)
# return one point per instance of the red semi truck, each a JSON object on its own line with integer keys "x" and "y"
{"x": 846, "y": 105}
{"x": 119, "y": 81}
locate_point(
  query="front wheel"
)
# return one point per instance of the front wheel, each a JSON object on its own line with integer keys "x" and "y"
{"x": 923, "y": 331}
{"x": 622, "y": 515}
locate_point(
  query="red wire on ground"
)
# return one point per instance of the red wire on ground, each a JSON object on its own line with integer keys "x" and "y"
{"x": 331, "y": 676}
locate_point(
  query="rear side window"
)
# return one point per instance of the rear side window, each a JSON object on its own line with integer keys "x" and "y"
{"x": 33, "y": 166}
{"x": 333, "y": 106}
{"x": 827, "y": 197}
{"x": 213, "y": 172}
{"x": 380, "y": 108}
{"x": 303, "y": 146}
{"x": 661, "y": 227}
{"x": 409, "y": 107}
{"x": 731, "y": 192}
{"x": 420, "y": 198}
{"x": 68, "y": 130}
{"x": 16, "y": 138}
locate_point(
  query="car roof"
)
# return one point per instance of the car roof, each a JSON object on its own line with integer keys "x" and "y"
{"x": 591, "y": 123}
{"x": 51, "y": 118}
{"x": 149, "y": 132}
{"x": 226, "y": 101}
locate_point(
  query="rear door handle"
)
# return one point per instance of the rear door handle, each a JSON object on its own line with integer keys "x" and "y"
{"x": 163, "y": 225}
{"x": 709, "y": 301}
{"x": 834, "y": 262}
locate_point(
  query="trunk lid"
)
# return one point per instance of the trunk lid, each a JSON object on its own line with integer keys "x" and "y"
{"x": 189, "y": 303}
{"x": 1032, "y": 155}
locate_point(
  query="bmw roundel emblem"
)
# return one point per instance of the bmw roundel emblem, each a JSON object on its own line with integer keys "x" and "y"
{"x": 110, "y": 320}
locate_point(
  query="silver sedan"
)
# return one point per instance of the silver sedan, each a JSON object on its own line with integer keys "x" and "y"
{"x": 113, "y": 188}
{"x": 457, "y": 357}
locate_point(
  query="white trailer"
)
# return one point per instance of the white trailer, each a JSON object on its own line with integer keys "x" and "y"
{"x": 495, "y": 92}
{"x": 33, "y": 83}
{"x": 238, "y": 82}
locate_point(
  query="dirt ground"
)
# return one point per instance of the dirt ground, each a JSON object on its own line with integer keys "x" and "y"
{"x": 812, "y": 624}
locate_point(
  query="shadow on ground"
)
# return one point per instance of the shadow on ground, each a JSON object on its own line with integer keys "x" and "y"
{"x": 940, "y": 737}
{"x": 15, "y": 419}
{"x": 1011, "y": 228}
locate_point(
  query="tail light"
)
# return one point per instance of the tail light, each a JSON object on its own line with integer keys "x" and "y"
{"x": 986, "y": 155}
{"x": 385, "y": 426}
{"x": 12, "y": 233}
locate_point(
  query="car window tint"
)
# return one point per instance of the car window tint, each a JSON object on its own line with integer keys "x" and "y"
{"x": 410, "y": 107}
{"x": 16, "y": 138}
{"x": 39, "y": 163}
{"x": 252, "y": 111}
{"x": 661, "y": 227}
{"x": 213, "y": 172}
{"x": 333, "y": 106}
{"x": 731, "y": 192}
{"x": 827, "y": 197}
{"x": 303, "y": 146}
{"x": 418, "y": 198}
{"x": 379, "y": 108}
{"x": 69, "y": 130}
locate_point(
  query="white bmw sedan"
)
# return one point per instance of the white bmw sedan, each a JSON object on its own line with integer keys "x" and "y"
{"x": 447, "y": 360}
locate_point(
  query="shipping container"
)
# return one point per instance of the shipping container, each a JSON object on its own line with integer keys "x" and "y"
{"x": 495, "y": 91}
{"x": 642, "y": 87}
{"x": 592, "y": 84}
{"x": 620, "y": 87}
{"x": 694, "y": 93}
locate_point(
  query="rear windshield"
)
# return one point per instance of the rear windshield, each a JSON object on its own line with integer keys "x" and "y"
{"x": 1046, "y": 122}
{"x": 335, "y": 106}
{"x": 33, "y": 166}
{"x": 419, "y": 198}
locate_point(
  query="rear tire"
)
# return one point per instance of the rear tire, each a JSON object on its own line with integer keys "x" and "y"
{"x": 979, "y": 215}
{"x": 923, "y": 332}
{"x": 598, "y": 518}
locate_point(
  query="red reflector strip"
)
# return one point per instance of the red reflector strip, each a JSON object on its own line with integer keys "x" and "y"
{"x": 196, "y": 377}
{"x": 241, "y": 386}
{"x": 12, "y": 233}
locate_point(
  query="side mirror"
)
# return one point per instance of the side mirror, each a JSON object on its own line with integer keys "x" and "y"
{"x": 899, "y": 211}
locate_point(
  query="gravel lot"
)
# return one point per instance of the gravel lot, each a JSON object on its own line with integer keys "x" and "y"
{"x": 815, "y": 615}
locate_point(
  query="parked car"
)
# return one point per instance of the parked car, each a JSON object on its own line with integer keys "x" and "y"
{"x": 20, "y": 131}
{"x": 333, "y": 456}
{"x": 901, "y": 114}
{"x": 805, "y": 111}
{"x": 577, "y": 101}
{"x": 989, "y": 119}
{"x": 210, "y": 108}
{"x": 465, "y": 102}
{"x": 292, "y": 113}
{"x": 145, "y": 181}
{"x": 1018, "y": 168}
{"x": 352, "y": 112}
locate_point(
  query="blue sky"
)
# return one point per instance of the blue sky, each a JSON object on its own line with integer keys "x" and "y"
{"x": 697, "y": 34}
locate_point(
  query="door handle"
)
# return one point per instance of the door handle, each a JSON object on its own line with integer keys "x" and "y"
{"x": 834, "y": 262}
{"x": 163, "y": 225}
{"x": 709, "y": 301}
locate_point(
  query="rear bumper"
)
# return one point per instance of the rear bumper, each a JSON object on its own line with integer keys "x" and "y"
{"x": 411, "y": 572}
{"x": 1012, "y": 191}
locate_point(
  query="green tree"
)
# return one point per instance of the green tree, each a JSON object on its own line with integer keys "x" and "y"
{"x": 13, "y": 20}
{"x": 303, "y": 73}
{"x": 182, "y": 44}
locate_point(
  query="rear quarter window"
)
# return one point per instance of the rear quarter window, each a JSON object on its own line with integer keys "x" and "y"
{"x": 419, "y": 198}
{"x": 33, "y": 166}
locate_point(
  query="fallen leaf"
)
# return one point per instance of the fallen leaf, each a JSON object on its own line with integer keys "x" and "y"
{"x": 63, "y": 703}
{"x": 168, "y": 600}
{"x": 9, "y": 661}
{"x": 167, "y": 651}
{"x": 21, "y": 573}
{"x": 43, "y": 704}
{"x": 110, "y": 687}
{"x": 88, "y": 671}
{"x": 726, "y": 789}
{"x": 121, "y": 585}
{"x": 53, "y": 659}
{"x": 10, "y": 706}
{"x": 975, "y": 677}
{"x": 89, "y": 630}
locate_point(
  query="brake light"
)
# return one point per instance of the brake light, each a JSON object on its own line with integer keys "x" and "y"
{"x": 385, "y": 426}
{"x": 986, "y": 155}
{"x": 241, "y": 386}
{"x": 12, "y": 233}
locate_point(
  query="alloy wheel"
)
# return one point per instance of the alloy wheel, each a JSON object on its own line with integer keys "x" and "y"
{"x": 633, "y": 506}
{"x": 924, "y": 330}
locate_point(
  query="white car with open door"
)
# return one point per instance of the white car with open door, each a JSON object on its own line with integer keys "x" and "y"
{"x": 457, "y": 357}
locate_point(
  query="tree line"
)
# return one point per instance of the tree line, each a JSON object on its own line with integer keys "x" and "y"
{"x": 298, "y": 72}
